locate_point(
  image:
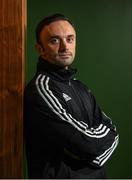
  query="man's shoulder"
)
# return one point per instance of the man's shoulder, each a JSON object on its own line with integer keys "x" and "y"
{"x": 39, "y": 80}
{"x": 32, "y": 82}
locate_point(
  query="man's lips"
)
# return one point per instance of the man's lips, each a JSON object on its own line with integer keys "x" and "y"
{"x": 65, "y": 54}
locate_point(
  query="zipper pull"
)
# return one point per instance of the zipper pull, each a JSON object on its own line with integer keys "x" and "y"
{"x": 69, "y": 83}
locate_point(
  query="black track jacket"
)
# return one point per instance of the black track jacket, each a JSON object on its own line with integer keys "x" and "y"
{"x": 67, "y": 134}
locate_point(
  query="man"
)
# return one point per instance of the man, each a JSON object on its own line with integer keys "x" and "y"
{"x": 67, "y": 134}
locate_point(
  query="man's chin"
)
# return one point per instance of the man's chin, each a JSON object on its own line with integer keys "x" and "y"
{"x": 65, "y": 62}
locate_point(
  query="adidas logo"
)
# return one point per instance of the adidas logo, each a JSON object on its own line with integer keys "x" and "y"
{"x": 66, "y": 97}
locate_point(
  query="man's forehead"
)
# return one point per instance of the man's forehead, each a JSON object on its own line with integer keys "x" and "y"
{"x": 59, "y": 27}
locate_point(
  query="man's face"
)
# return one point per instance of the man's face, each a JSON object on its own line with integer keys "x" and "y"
{"x": 58, "y": 42}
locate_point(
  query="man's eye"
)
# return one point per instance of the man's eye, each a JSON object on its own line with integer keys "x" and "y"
{"x": 70, "y": 40}
{"x": 54, "y": 41}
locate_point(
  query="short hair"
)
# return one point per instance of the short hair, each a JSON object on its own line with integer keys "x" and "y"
{"x": 47, "y": 20}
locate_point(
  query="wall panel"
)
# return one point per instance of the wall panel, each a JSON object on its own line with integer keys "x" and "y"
{"x": 12, "y": 40}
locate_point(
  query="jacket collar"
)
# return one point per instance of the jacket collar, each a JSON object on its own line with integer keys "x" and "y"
{"x": 55, "y": 71}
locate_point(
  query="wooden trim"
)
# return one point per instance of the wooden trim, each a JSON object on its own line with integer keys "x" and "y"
{"x": 12, "y": 53}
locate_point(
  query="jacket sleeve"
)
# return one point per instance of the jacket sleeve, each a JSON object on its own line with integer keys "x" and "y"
{"x": 94, "y": 144}
{"x": 108, "y": 138}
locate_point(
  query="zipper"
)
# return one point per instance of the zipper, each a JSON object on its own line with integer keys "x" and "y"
{"x": 78, "y": 99}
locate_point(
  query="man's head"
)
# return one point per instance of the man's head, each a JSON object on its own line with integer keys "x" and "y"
{"x": 56, "y": 40}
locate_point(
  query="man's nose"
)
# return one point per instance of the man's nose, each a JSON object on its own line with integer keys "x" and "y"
{"x": 63, "y": 45}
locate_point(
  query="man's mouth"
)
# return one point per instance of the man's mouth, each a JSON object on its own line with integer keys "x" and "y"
{"x": 65, "y": 54}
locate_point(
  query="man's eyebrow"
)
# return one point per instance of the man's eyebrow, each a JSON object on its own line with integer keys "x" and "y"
{"x": 54, "y": 36}
{"x": 71, "y": 35}
{"x": 58, "y": 37}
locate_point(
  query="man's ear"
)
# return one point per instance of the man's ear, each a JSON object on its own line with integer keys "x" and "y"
{"x": 39, "y": 48}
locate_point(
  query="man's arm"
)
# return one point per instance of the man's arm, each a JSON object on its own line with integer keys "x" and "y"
{"x": 96, "y": 143}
